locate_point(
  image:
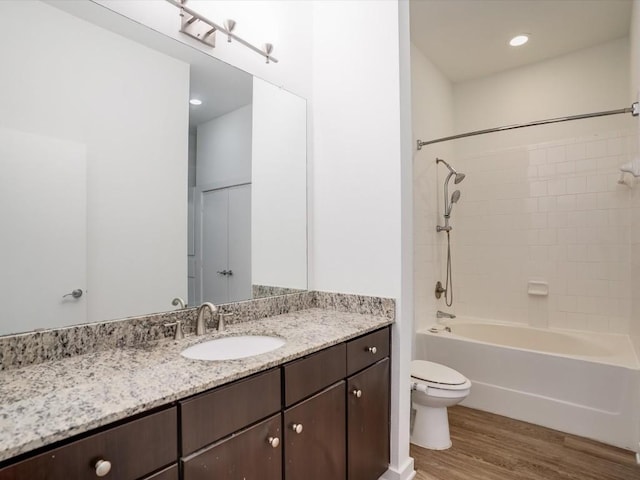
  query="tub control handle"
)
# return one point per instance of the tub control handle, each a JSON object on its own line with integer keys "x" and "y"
{"x": 357, "y": 393}
{"x": 372, "y": 350}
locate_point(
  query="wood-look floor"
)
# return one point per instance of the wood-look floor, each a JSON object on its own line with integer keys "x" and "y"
{"x": 491, "y": 447}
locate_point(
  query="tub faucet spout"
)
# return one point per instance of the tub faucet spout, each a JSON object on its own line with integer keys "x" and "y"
{"x": 440, "y": 314}
{"x": 201, "y": 326}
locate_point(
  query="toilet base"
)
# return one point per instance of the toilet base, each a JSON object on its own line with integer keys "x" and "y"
{"x": 431, "y": 427}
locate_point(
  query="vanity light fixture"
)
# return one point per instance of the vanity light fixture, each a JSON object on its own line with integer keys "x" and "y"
{"x": 519, "y": 40}
{"x": 195, "y": 101}
{"x": 204, "y": 30}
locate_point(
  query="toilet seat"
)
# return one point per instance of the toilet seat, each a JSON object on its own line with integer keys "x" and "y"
{"x": 438, "y": 376}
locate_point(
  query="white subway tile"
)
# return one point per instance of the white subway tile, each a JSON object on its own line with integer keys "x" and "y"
{"x": 577, "y": 253}
{"x": 596, "y": 183}
{"x": 537, "y": 157}
{"x": 565, "y": 168}
{"x": 538, "y": 189}
{"x": 556, "y": 154}
{"x": 575, "y": 151}
{"x": 547, "y": 204}
{"x": 557, "y": 186}
{"x": 587, "y": 201}
{"x": 589, "y": 165}
{"x": 557, "y": 219}
{"x": 576, "y": 185}
{"x": 547, "y": 170}
{"x": 566, "y": 203}
{"x": 596, "y": 149}
{"x": 614, "y": 146}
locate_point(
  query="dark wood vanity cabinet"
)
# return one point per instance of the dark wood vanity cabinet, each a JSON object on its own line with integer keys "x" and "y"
{"x": 368, "y": 405}
{"x": 323, "y": 416}
{"x": 368, "y": 422}
{"x": 254, "y": 453}
{"x": 134, "y": 450}
{"x": 314, "y": 428}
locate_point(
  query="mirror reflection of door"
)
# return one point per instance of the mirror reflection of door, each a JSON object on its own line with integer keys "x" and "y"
{"x": 223, "y": 244}
{"x": 43, "y": 252}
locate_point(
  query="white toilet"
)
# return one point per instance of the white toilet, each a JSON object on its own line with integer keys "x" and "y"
{"x": 435, "y": 387}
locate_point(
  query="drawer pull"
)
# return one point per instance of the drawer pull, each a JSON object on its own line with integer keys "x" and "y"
{"x": 103, "y": 467}
{"x": 372, "y": 350}
{"x": 356, "y": 393}
{"x": 296, "y": 427}
{"x": 273, "y": 441}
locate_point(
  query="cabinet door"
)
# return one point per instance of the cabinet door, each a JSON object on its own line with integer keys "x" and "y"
{"x": 254, "y": 454}
{"x": 368, "y": 422}
{"x": 316, "y": 450}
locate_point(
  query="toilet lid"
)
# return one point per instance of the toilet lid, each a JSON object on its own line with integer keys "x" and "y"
{"x": 436, "y": 373}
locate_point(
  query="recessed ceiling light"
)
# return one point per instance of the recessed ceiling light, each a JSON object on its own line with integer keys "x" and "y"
{"x": 519, "y": 40}
{"x": 195, "y": 101}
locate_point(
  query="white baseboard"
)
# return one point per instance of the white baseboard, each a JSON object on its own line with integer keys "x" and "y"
{"x": 404, "y": 472}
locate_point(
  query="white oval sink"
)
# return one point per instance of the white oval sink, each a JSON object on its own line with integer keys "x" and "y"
{"x": 230, "y": 348}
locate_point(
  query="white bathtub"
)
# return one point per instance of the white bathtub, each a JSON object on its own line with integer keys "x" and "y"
{"x": 587, "y": 384}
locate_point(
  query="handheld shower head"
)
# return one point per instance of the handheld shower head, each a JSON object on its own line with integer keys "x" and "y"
{"x": 454, "y": 199}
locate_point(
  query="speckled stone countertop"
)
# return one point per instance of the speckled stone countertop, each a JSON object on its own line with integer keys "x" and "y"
{"x": 44, "y": 403}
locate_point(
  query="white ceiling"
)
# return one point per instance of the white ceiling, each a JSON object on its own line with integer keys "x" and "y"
{"x": 467, "y": 39}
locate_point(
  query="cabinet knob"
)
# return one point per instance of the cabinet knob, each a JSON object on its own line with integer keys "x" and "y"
{"x": 372, "y": 350}
{"x": 356, "y": 393}
{"x": 296, "y": 427}
{"x": 273, "y": 441}
{"x": 103, "y": 467}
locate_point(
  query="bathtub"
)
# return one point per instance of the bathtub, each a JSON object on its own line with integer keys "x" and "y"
{"x": 586, "y": 384}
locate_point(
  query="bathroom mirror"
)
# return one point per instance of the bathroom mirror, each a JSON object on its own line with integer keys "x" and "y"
{"x": 111, "y": 181}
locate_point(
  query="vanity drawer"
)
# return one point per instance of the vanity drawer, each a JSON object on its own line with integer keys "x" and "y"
{"x": 304, "y": 377}
{"x": 170, "y": 473}
{"x": 210, "y": 416}
{"x": 134, "y": 449}
{"x": 367, "y": 350}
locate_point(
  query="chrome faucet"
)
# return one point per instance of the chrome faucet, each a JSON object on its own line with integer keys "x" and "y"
{"x": 201, "y": 326}
{"x": 178, "y": 302}
{"x": 440, "y": 314}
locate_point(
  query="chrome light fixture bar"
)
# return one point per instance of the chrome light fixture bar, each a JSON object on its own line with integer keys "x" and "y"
{"x": 204, "y": 30}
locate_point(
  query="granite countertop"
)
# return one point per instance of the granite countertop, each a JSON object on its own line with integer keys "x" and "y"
{"x": 45, "y": 403}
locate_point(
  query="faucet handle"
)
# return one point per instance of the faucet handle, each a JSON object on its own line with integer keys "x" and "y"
{"x": 179, "y": 333}
{"x": 221, "y": 321}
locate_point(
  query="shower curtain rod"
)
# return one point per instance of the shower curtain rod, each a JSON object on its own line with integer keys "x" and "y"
{"x": 634, "y": 110}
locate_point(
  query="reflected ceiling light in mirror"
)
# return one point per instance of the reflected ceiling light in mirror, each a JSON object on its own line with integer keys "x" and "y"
{"x": 519, "y": 40}
{"x": 195, "y": 101}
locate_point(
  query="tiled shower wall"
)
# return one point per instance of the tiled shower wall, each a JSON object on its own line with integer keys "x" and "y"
{"x": 550, "y": 212}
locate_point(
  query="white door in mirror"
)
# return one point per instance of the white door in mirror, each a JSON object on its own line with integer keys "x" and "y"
{"x": 229, "y": 348}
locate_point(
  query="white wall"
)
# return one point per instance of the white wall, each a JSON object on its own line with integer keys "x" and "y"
{"x": 285, "y": 24}
{"x": 278, "y": 188}
{"x": 132, "y": 153}
{"x": 589, "y": 80}
{"x": 356, "y": 171}
{"x": 432, "y": 99}
{"x": 223, "y": 151}
{"x": 357, "y": 189}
